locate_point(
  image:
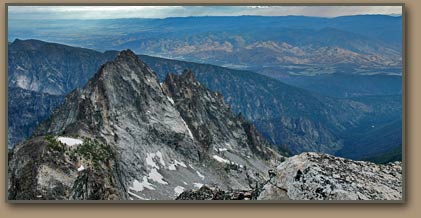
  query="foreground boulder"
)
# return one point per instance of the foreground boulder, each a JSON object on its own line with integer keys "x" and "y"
{"x": 315, "y": 176}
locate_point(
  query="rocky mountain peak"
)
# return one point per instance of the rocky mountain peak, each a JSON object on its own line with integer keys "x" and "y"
{"x": 129, "y": 67}
{"x": 128, "y": 56}
{"x": 157, "y": 139}
{"x": 124, "y": 85}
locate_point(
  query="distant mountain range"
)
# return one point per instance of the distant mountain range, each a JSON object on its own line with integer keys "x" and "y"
{"x": 258, "y": 42}
{"x": 294, "y": 119}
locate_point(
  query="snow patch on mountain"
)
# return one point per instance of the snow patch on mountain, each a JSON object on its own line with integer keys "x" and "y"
{"x": 155, "y": 176}
{"x": 151, "y": 157}
{"x": 178, "y": 190}
{"x": 69, "y": 141}
{"x": 220, "y": 159}
{"x": 188, "y": 129}
{"x": 197, "y": 185}
{"x": 171, "y": 100}
{"x": 81, "y": 168}
{"x": 172, "y": 167}
{"x": 140, "y": 186}
{"x": 176, "y": 163}
{"x": 180, "y": 163}
{"x": 200, "y": 175}
{"x": 137, "y": 196}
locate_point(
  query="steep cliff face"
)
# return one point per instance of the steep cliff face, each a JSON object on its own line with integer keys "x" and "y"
{"x": 138, "y": 140}
{"x": 26, "y": 110}
{"x": 210, "y": 118}
{"x": 51, "y": 68}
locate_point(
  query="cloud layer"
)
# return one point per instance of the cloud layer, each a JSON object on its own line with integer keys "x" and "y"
{"x": 111, "y": 12}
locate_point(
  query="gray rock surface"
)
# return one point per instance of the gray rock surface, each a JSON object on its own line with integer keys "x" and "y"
{"x": 315, "y": 176}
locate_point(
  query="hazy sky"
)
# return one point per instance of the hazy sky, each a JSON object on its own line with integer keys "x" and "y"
{"x": 107, "y": 12}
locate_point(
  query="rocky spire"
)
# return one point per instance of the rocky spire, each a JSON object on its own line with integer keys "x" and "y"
{"x": 188, "y": 75}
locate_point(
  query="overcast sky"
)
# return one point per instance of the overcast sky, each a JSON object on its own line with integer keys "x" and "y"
{"x": 107, "y": 12}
